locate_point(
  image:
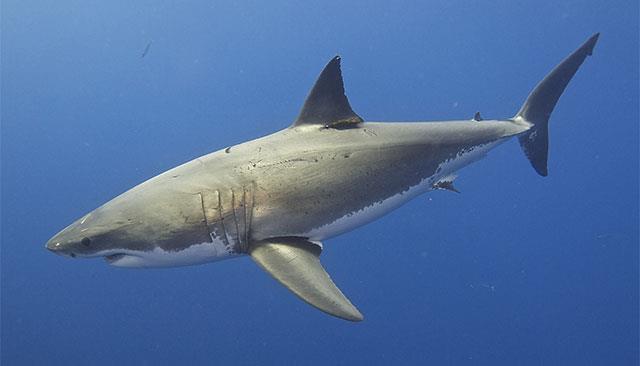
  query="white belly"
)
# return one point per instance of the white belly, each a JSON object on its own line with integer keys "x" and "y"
{"x": 195, "y": 254}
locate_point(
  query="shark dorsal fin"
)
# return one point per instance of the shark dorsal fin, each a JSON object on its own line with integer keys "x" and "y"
{"x": 326, "y": 104}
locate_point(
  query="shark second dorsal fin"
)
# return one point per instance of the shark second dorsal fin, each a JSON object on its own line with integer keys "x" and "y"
{"x": 295, "y": 263}
{"x": 326, "y": 104}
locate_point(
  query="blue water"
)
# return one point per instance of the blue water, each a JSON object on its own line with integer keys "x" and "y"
{"x": 515, "y": 270}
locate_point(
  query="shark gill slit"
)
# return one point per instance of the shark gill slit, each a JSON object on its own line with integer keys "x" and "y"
{"x": 204, "y": 217}
{"x": 249, "y": 214}
{"x": 245, "y": 246}
{"x": 235, "y": 220}
{"x": 224, "y": 228}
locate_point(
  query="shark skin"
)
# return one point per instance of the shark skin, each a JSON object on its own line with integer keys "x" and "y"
{"x": 277, "y": 198}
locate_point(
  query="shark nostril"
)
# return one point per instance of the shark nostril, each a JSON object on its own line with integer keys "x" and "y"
{"x": 85, "y": 241}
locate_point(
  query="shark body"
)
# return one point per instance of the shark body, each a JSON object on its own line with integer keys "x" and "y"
{"x": 278, "y": 197}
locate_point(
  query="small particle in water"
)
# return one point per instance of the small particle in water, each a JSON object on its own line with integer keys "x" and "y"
{"x": 146, "y": 49}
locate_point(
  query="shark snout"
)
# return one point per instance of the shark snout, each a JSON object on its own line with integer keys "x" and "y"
{"x": 56, "y": 246}
{"x": 53, "y": 246}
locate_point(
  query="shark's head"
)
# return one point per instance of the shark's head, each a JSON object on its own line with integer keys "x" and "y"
{"x": 105, "y": 232}
{"x": 146, "y": 220}
{"x": 73, "y": 241}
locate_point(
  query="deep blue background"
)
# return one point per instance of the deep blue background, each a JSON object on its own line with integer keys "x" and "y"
{"x": 517, "y": 269}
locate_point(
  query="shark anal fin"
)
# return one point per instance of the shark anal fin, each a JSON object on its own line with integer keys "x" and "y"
{"x": 477, "y": 117}
{"x": 326, "y": 104}
{"x": 295, "y": 263}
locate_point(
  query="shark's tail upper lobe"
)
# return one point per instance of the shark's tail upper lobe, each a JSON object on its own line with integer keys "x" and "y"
{"x": 537, "y": 109}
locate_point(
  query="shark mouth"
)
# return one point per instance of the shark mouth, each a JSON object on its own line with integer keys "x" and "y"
{"x": 112, "y": 258}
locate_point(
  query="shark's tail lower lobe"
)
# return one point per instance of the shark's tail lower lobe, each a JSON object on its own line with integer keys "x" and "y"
{"x": 537, "y": 109}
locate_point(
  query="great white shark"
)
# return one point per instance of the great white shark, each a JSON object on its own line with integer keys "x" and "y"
{"x": 277, "y": 198}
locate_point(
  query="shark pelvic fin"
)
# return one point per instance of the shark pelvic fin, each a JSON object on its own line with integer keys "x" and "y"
{"x": 326, "y": 104}
{"x": 295, "y": 263}
{"x": 446, "y": 183}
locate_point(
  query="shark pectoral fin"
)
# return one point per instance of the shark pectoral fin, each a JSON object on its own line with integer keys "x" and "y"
{"x": 295, "y": 263}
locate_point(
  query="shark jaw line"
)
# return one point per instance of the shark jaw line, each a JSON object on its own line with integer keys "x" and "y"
{"x": 112, "y": 259}
{"x": 199, "y": 253}
{"x": 110, "y": 256}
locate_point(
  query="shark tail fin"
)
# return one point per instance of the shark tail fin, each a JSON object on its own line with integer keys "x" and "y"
{"x": 537, "y": 109}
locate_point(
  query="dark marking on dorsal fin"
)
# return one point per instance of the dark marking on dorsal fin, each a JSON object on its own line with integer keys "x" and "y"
{"x": 477, "y": 117}
{"x": 326, "y": 104}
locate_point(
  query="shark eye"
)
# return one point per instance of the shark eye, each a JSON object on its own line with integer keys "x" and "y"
{"x": 85, "y": 241}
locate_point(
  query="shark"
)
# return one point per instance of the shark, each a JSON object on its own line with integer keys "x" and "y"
{"x": 277, "y": 198}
